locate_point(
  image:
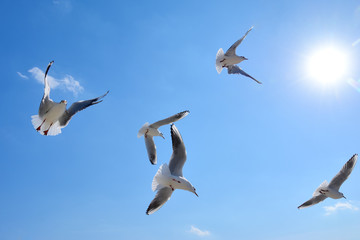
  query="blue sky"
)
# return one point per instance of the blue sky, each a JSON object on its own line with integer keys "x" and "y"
{"x": 255, "y": 152}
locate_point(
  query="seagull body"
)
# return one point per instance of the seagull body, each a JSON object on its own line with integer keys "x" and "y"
{"x": 54, "y": 116}
{"x": 331, "y": 189}
{"x": 169, "y": 178}
{"x": 230, "y": 59}
{"x": 151, "y": 130}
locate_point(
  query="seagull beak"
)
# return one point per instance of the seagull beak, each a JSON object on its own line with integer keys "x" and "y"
{"x": 344, "y": 197}
{"x": 196, "y": 194}
{"x": 162, "y": 136}
{"x": 246, "y": 59}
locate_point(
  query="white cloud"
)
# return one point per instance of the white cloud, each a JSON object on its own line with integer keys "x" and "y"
{"x": 199, "y": 232}
{"x": 63, "y": 5}
{"x": 340, "y": 206}
{"x": 22, "y": 75}
{"x": 68, "y": 82}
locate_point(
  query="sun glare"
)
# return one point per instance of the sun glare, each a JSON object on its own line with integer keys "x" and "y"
{"x": 327, "y": 65}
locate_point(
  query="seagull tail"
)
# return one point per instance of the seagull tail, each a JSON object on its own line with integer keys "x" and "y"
{"x": 219, "y": 57}
{"x": 163, "y": 172}
{"x": 143, "y": 129}
{"x": 55, "y": 129}
{"x": 322, "y": 185}
{"x": 36, "y": 121}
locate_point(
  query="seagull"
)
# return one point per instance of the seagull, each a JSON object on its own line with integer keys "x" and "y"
{"x": 54, "y": 116}
{"x": 150, "y": 130}
{"x": 332, "y": 189}
{"x": 229, "y": 59}
{"x": 169, "y": 178}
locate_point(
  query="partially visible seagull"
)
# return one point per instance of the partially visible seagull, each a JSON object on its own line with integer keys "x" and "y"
{"x": 54, "y": 116}
{"x": 150, "y": 130}
{"x": 229, "y": 59}
{"x": 332, "y": 189}
{"x": 169, "y": 178}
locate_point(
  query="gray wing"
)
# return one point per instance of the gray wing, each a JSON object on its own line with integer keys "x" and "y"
{"x": 232, "y": 49}
{"x": 171, "y": 119}
{"x": 178, "y": 157}
{"x": 151, "y": 149}
{"x": 344, "y": 173}
{"x": 76, "y": 107}
{"x": 46, "y": 102}
{"x": 161, "y": 197}
{"x": 314, "y": 200}
{"x": 234, "y": 69}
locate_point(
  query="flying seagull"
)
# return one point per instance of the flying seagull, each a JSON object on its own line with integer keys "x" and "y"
{"x": 332, "y": 189}
{"x": 229, "y": 59}
{"x": 54, "y": 116}
{"x": 169, "y": 178}
{"x": 150, "y": 130}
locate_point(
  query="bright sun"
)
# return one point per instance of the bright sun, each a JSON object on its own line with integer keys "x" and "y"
{"x": 327, "y": 65}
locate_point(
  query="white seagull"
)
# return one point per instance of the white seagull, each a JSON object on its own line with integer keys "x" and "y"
{"x": 169, "y": 178}
{"x": 54, "y": 116}
{"x": 332, "y": 189}
{"x": 229, "y": 59}
{"x": 150, "y": 130}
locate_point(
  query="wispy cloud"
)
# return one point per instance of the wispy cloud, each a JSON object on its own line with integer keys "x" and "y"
{"x": 340, "y": 206}
{"x": 68, "y": 82}
{"x": 199, "y": 232}
{"x": 63, "y": 5}
{"x": 22, "y": 75}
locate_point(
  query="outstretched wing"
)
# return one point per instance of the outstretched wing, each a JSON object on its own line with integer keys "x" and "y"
{"x": 178, "y": 157}
{"x": 232, "y": 49}
{"x": 46, "y": 102}
{"x": 234, "y": 69}
{"x": 314, "y": 200}
{"x": 76, "y": 107}
{"x": 161, "y": 197}
{"x": 344, "y": 173}
{"x": 171, "y": 119}
{"x": 151, "y": 148}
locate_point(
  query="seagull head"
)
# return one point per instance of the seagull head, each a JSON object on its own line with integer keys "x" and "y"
{"x": 194, "y": 191}
{"x": 186, "y": 185}
{"x": 162, "y": 135}
{"x": 243, "y": 58}
{"x": 64, "y": 102}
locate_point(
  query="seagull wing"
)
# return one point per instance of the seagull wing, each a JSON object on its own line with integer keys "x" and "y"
{"x": 76, "y": 107}
{"x": 151, "y": 149}
{"x": 232, "y": 49}
{"x": 161, "y": 197}
{"x": 171, "y": 119}
{"x": 314, "y": 200}
{"x": 234, "y": 69}
{"x": 344, "y": 173}
{"x": 46, "y": 102}
{"x": 178, "y": 157}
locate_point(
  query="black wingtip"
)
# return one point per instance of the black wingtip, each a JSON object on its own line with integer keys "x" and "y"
{"x": 48, "y": 67}
{"x": 105, "y": 94}
{"x": 153, "y": 160}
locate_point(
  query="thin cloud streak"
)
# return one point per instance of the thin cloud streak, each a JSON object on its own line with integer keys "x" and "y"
{"x": 22, "y": 75}
{"x": 68, "y": 82}
{"x": 63, "y": 5}
{"x": 199, "y": 232}
{"x": 340, "y": 206}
